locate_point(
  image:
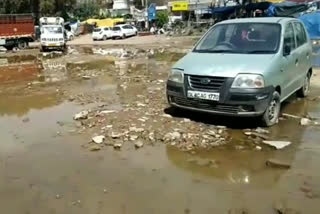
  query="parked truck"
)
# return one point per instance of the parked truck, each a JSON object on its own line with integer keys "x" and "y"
{"x": 52, "y": 33}
{"x": 16, "y": 30}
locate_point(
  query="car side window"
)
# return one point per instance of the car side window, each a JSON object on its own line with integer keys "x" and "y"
{"x": 289, "y": 39}
{"x": 129, "y": 27}
{"x": 125, "y": 27}
{"x": 106, "y": 28}
{"x": 300, "y": 34}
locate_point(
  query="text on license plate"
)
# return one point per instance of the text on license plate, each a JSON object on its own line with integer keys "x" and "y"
{"x": 203, "y": 95}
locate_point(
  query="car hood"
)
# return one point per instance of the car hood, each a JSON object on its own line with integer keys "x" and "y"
{"x": 223, "y": 65}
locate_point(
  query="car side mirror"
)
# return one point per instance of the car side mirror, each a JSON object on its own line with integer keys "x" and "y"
{"x": 286, "y": 50}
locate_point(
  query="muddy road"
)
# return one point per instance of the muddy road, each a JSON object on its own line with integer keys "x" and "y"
{"x": 151, "y": 159}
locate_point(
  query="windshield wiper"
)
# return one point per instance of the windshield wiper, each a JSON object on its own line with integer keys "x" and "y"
{"x": 217, "y": 51}
{"x": 259, "y": 51}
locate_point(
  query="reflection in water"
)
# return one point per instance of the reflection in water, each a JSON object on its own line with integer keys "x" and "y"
{"x": 247, "y": 166}
{"x": 21, "y": 105}
{"x": 54, "y": 70}
{"x": 232, "y": 166}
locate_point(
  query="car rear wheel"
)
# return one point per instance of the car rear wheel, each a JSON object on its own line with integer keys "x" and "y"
{"x": 104, "y": 38}
{"x": 304, "y": 90}
{"x": 123, "y": 36}
{"x": 271, "y": 115}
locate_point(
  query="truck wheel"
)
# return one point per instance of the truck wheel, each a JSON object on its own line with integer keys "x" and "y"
{"x": 304, "y": 90}
{"x": 271, "y": 116}
{"x": 22, "y": 44}
{"x": 43, "y": 49}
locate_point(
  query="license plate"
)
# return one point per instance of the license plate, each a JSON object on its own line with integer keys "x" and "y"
{"x": 204, "y": 95}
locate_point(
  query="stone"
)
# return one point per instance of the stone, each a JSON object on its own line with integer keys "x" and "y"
{"x": 98, "y": 139}
{"x": 305, "y": 122}
{"x": 290, "y": 116}
{"x": 278, "y": 164}
{"x": 58, "y": 196}
{"x": 81, "y": 115}
{"x": 134, "y": 137}
{"x": 277, "y": 144}
{"x": 107, "y": 111}
{"x": 134, "y": 129}
{"x": 25, "y": 120}
{"x": 261, "y": 131}
{"x": 117, "y": 146}
{"x": 167, "y": 115}
{"x": 116, "y": 135}
{"x": 95, "y": 148}
{"x": 86, "y": 77}
{"x": 138, "y": 144}
{"x": 258, "y": 148}
{"x": 172, "y": 136}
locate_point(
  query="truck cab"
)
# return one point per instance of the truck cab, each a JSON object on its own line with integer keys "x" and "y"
{"x": 52, "y": 33}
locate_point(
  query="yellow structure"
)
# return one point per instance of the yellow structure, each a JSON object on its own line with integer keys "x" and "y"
{"x": 105, "y": 22}
{"x": 180, "y": 6}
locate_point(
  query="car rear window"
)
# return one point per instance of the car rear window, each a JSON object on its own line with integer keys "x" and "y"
{"x": 96, "y": 30}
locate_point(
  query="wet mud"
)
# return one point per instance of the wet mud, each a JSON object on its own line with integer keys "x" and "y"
{"x": 47, "y": 166}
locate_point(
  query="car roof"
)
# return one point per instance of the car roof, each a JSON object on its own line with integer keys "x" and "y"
{"x": 280, "y": 20}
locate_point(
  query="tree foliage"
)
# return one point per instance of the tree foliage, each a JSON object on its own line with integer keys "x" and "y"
{"x": 86, "y": 10}
{"x": 162, "y": 18}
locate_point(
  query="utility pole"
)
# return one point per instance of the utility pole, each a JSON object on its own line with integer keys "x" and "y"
{"x": 147, "y": 20}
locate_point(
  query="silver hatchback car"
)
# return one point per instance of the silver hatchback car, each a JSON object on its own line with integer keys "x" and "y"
{"x": 244, "y": 67}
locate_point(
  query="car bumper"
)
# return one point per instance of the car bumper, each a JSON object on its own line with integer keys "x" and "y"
{"x": 232, "y": 102}
{"x": 52, "y": 45}
{"x": 97, "y": 37}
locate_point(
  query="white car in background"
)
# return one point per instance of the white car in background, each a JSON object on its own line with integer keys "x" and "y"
{"x": 102, "y": 33}
{"x": 123, "y": 31}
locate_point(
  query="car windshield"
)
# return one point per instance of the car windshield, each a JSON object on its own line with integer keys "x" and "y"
{"x": 54, "y": 30}
{"x": 116, "y": 28}
{"x": 245, "y": 38}
{"x": 96, "y": 30}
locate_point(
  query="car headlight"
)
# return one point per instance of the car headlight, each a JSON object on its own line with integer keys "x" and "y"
{"x": 248, "y": 81}
{"x": 176, "y": 76}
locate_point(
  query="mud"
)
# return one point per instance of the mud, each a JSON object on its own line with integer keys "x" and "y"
{"x": 47, "y": 164}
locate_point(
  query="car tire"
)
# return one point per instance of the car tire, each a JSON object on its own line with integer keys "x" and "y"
{"x": 104, "y": 38}
{"x": 22, "y": 44}
{"x": 123, "y": 36}
{"x": 304, "y": 90}
{"x": 71, "y": 38}
{"x": 271, "y": 116}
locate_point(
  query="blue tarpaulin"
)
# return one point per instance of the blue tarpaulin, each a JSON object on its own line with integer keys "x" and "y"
{"x": 312, "y": 24}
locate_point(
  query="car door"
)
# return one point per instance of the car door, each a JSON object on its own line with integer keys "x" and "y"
{"x": 304, "y": 54}
{"x": 290, "y": 62}
{"x": 131, "y": 31}
{"x": 108, "y": 32}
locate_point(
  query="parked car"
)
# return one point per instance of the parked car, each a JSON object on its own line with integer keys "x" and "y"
{"x": 103, "y": 33}
{"x": 69, "y": 35}
{"x": 244, "y": 67}
{"x": 123, "y": 31}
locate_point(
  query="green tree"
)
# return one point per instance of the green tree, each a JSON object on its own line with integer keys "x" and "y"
{"x": 162, "y": 18}
{"x": 86, "y": 10}
{"x": 47, "y": 7}
{"x": 15, "y": 6}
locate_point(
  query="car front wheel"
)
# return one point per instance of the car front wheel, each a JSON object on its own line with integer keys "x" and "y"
{"x": 271, "y": 115}
{"x": 304, "y": 90}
